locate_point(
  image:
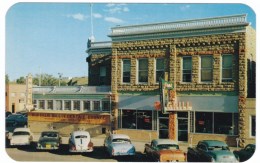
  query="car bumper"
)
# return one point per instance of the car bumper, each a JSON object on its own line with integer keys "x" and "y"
{"x": 81, "y": 151}
{"x": 14, "y": 144}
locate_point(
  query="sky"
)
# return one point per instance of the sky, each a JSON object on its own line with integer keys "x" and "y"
{"x": 52, "y": 37}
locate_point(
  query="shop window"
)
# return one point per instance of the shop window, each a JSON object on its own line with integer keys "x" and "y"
{"x": 223, "y": 126}
{"x": 186, "y": 69}
{"x": 159, "y": 69}
{"x": 58, "y": 105}
{"x": 227, "y": 67}
{"x": 126, "y": 70}
{"x": 76, "y": 105}
{"x": 86, "y": 106}
{"x": 105, "y": 106}
{"x": 143, "y": 70}
{"x": 67, "y": 105}
{"x": 129, "y": 119}
{"x": 206, "y": 69}
{"x": 41, "y": 104}
{"x": 204, "y": 122}
{"x": 96, "y": 105}
{"x": 50, "y": 104}
{"x": 102, "y": 75}
{"x": 252, "y": 127}
{"x": 144, "y": 120}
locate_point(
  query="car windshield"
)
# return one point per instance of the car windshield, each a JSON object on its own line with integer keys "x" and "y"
{"x": 49, "y": 134}
{"x": 217, "y": 148}
{"x": 21, "y": 133}
{"x": 167, "y": 146}
{"x": 81, "y": 136}
{"x": 121, "y": 140}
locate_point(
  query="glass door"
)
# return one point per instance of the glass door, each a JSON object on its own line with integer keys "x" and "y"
{"x": 163, "y": 128}
{"x": 183, "y": 126}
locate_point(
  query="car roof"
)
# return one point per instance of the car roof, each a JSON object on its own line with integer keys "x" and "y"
{"x": 22, "y": 129}
{"x": 75, "y": 133}
{"x": 164, "y": 141}
{"x": 50, "y": 131}
{"x": 210, "y": 143}
{"x": 116, "y": 136}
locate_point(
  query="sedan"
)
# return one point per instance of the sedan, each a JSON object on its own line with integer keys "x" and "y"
{"x": 21, "y": 136}
{"x": 49, "y": 140}
{"x": 119, "y": 145}
{"x": 80, "y": 141}
{"x": 245, "y": 153}
{"x": 210, "y": 151}
{"x": 164, "y": 150}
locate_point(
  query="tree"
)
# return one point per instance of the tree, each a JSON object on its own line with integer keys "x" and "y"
{"x": 7, "y": 79}
{"x": 21, "y": 80}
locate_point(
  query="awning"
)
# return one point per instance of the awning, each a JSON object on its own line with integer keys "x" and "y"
{"x": 139, "y": 102}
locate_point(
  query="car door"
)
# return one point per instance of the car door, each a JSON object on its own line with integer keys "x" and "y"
{"x": 202, "y": 153}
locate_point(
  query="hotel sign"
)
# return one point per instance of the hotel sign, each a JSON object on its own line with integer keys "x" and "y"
{"x": 94, "y": 119}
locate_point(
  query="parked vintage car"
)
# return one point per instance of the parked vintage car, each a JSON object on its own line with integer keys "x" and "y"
{"x": 17, "y": 120}
{"x": 49, "y": 140}
{"x": 119, "y": 145}
{"x": 164, "y": 150}
{"x": 80, "y": 141}
{"x": 245, "y": 153}
{"x": 210, "y": 151}
{"x": 21, "y": 136}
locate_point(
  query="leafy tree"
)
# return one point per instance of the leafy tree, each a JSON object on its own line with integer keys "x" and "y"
{"x": 21, "y": 80}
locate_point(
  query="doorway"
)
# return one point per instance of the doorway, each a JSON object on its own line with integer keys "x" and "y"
{"x": 182, "y": 126}
{"x": 13, "y": 108}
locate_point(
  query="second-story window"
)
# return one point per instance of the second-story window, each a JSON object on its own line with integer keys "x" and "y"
{"x": 126, "y": 70}
{"x": 227, "y": 67}
{"x": 186, "y": 69}
{"x": 206, "y": 70}
{"x": 143, "y": 70}
{"x": 102, "y": 75}
{"x": 159, "y": 69}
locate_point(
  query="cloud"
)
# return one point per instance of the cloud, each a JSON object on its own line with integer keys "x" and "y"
{"x": 113, "y": 20}
{"x": 77, "y": 16}
{"x": 117, "y": 8}
{"x": 184, "y": 8}
{"x": 97, "y": 15}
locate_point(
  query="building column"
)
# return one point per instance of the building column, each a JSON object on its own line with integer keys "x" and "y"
{"x": 81, "y": 104}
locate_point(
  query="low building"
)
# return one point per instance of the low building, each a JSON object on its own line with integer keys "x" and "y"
{"x": 15, "y": 96}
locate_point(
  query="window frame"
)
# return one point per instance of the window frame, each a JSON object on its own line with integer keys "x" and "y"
{"x": 227, "y": 79}
{"x": 84, "y": 103}
{"x": 182, "y": 69}
{"x": 122, "y": 76}
{"x": 138, "y": 70}
{"x": 211, "y": 68}
{"x": 159, "y": 70}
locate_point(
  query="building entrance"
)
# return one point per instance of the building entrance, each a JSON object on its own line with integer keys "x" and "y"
{"x": 182, "y": 126}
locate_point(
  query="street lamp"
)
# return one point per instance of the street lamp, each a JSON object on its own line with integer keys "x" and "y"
{"x": 110, "y": 111}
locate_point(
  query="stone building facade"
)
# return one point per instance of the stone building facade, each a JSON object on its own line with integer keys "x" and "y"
{"x": 210, "y": 63}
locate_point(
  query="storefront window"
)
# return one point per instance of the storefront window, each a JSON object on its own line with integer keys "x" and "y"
{"x": 41, "y": 104}
{"x": 105, "y": 106}
{"x": 216, "y": 123}
{"x": 137, "y": 119}
{"x": 204, "y": 122}
{"x": 76, "y": 105}
{"x": 223, "y": 123}
{"x": 67, "y": 105}
{"x": 86, "y": 105}
{"x": 144, "y": 120}
{"x": 58, "y": 105}
{"x": 96, "y": 105}
{"x": 129, "y": 119}
{"x": 50, "y": 104}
